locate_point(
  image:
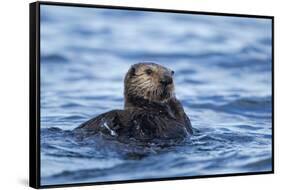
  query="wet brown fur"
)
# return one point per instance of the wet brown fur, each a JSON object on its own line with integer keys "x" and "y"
{"x": 138, "y": 83}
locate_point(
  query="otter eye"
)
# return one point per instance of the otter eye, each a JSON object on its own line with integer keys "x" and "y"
{"x": 148, "y": 71}
{"x": 172, "y": 72}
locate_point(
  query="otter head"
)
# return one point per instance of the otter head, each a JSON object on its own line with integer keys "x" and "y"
{"x": 149, "y": 81}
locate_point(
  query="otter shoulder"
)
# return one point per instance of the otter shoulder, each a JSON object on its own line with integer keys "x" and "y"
{"x": 106, "y": 122}
{"x": 137, "y": 123}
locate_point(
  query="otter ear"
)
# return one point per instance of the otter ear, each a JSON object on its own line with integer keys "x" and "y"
{"x": 132, "y": 71}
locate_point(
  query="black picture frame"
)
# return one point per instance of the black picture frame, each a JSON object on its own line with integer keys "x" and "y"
{"x": 34, "y": 91}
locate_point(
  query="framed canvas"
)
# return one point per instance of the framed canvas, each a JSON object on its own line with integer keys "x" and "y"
{"x": 126, "y": 94}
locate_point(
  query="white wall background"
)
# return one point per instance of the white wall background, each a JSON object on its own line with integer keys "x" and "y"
{"x": 14, "y": 63}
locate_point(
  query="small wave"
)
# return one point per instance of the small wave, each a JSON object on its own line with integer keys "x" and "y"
{"x": 206, "y": 138}
{"x": 90, "y": 32}
{"x": 85, "y": 174}
{"x": 67, "y": 154}
{"x": 266, "y": 41}
{"x": 192, "y": 81}
{"x": 73, "y": 117}
{"x": 262, "y": 164}
{"x": 251, "y": 103}
{"x": 166, "y": 55}
{"x": 186, "y": 71}
{"x": 248, "y": 127}
{"x": 71, "y": 105}
{"x": 250, "y": 107}
{"x": 147, "y": 55}
{"x": 51, "y": 129}
{"x": 54, "y": 58}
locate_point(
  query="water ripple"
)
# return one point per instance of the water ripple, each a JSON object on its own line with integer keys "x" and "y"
{"x": 222, "y": 77}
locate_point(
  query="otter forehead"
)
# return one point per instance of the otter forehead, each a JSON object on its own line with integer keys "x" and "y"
{"x": 150, "y": 65}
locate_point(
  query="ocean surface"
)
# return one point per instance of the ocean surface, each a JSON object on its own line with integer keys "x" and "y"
{"x": 222, "y": 77}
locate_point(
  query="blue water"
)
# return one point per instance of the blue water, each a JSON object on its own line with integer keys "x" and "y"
{"x": 222, "y": 76}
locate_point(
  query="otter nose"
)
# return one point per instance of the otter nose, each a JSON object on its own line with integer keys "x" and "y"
{"x": 166, "y": 80}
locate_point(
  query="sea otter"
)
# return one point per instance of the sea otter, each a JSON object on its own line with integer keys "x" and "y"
{"x": 151, "y": 110}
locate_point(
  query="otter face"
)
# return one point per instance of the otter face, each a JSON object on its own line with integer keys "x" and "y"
{"x": 149, "y": 81}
